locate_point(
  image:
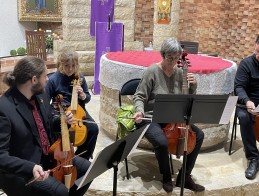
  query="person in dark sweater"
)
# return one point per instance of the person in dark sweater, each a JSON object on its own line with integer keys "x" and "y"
{"x": 61, "y": 82}
{"x": 246, "y": 87}
{"x": 166, "y": 78}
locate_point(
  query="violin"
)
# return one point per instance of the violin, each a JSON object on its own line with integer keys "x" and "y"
{"x": 176, "y": 132}
{"x": 78, "y": 128}
{"x": 62, "y": 153}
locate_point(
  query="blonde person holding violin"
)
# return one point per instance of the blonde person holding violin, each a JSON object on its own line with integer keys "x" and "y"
{"x": 25, "y": 138}
{"x": 61, "y": 82}
{"x": 246, "y": 87}
{"x": 166, "y": 78}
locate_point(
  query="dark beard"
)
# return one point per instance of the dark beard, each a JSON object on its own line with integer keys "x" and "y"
{"x": 37, "y": 89}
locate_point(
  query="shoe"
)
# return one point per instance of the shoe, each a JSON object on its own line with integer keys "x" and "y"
{"x": 189, "y": 183}
{"x": 252, "y": 169}
{"x": 168, "y": 186}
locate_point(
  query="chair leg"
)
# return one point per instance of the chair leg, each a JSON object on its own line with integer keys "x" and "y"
{"x": 235, "y": 131}
{"x": 233, "y": 134}
{"x": 127, "y": 168}
{"x": 171, "y": 164}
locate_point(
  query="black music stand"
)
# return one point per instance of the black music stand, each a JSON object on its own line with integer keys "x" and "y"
{"x": 111, "y": 156}
{"x": 190, "y": 109}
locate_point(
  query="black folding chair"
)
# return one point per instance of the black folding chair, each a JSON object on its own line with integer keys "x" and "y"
{"x": 191, "y": 47}
{"x": 129, "y": 88}
{"x": 233, "y": 133}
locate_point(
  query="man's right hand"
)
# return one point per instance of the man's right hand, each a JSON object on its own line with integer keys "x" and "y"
{"x": 251, "y": 107}
{"x": 39, "y": 174}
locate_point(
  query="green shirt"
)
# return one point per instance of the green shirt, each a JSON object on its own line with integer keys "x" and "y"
{"x": 155, "y": 81}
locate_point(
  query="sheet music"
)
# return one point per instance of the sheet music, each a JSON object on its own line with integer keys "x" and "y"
{"x": 86, "y": 174}
{"x": 257, "y": 109}
{"x": 99, "y": 164}
{"x": 228, "y": 110}
{"x": 137, "y": 142}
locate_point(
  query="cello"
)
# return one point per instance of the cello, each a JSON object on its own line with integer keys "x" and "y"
{"x": 176, "y": 133}
{"x": 78, "y": 127}
{"x": 256, "y": 122}
{"x": 256, "y": 128}
{"x": 62, "y": 153}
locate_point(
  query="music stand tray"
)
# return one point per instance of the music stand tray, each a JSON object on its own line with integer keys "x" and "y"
{"x": 210, "y": 109}
{"x": 190, "y": 109}
{"x": 111, "y": 155}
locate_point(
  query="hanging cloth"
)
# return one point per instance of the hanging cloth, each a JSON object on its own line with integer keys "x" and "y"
{"x": 100, "y": 11}
{"x": 109, "y": 38}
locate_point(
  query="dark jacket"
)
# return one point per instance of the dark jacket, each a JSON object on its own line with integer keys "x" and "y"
{"x": 20, "y": 145}
{"x": 246, "y": 85}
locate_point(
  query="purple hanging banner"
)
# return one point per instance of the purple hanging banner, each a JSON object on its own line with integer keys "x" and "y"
{"x": 109, "y": 38}
{"x": 100, "y": 11}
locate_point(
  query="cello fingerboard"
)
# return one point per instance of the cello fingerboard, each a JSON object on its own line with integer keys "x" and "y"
{"x": 185, "y": 86}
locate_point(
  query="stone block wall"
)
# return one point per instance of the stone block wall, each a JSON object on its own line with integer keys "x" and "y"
{"x": 144, "y": 23}
{"x": 224, "y": 27}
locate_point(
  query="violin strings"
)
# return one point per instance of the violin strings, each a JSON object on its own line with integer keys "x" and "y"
{"x": 51, "y": 170}
{"x": 67, "y": 161}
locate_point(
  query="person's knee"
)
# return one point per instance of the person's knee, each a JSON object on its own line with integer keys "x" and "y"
{"x": 162, "y": 144}
{"x": 201, "y": 135}
{"x": 243, "y": 117}
{"x": 93, "y": 131}
{"x": 61, "y": 190}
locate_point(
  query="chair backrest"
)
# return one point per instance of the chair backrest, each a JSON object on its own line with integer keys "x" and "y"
{"x": 191, "y": 47}
{"x": 128, "y": 88}
{"x": 36, "y": 45}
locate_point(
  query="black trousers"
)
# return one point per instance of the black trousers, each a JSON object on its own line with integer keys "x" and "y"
{"x": 90, "y": 142}
{"x": 157, "y": 138}
{"x": 246, "y": 121}
{"x": 13, "y": 185}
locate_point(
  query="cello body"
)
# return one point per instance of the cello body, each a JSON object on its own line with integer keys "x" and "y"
{"x": 256, "y": 128}
{"x": 176, "y": 133}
